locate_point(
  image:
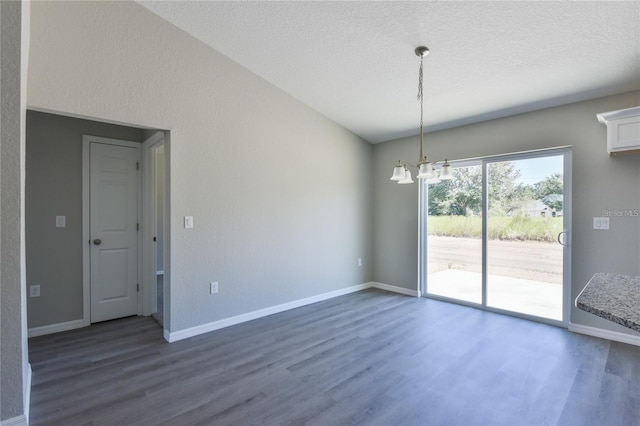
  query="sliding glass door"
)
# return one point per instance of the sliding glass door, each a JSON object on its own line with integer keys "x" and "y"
{"x": 497, "y": 234}
{"x": 454, "y": 244}
{"x": 524, "y": 256}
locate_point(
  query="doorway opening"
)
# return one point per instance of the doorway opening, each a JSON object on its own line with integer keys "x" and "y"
{"x": 155, "y": 175}
{"x": 497, "y": 235}
{"x": 150, "y": 229}
{"x": 56, "y": 240}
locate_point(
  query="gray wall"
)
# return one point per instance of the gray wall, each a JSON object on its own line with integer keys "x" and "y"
{"x": 54, "y": 188}
{"x": 13, "y": 356}
{"x": 281, "y": 196}
{"x": 599, "y": 182}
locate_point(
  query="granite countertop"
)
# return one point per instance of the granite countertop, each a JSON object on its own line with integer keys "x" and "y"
{"x": 614, "y": 297}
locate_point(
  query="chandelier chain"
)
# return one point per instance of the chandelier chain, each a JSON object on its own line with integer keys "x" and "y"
{"x": 420, "y": 91}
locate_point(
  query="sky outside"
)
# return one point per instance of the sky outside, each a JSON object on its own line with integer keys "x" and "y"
{"x": 535, "y": 170}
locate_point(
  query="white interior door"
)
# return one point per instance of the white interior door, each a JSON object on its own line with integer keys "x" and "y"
{"x": 114, "y": 196}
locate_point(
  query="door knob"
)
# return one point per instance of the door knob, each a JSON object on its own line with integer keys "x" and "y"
{"x": 97, "y": 241}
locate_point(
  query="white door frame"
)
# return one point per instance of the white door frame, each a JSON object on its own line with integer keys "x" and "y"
{"x": 149, "y": 293}
{"x": 566, "y": 152}
{"x": 423, "y": 192}
{"x": 86, "y": 219}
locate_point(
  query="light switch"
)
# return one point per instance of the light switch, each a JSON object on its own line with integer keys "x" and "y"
{"x": 188, "y": 222}
{"x": 34, "y": 291}
{"x": 61, "y": 221}
{"x": 601, "y": 223}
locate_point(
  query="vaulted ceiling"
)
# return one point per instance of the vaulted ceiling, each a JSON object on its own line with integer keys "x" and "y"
{"x": 354, "y": 62}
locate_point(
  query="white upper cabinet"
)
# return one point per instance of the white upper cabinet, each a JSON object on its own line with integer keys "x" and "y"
{"x": 623, "y": 130}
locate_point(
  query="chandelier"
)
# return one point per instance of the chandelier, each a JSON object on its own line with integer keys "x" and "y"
{"x": 426, "y": 172}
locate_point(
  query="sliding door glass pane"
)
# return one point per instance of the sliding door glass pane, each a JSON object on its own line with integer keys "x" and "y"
{"x": 454, "y": 236}
{"x": 525, "y": 216}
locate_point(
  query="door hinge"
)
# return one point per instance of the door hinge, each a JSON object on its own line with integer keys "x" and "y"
{"x": 138, "y": 288}
{"x": 137, "y": 166}
{"x": 137, "y": 226}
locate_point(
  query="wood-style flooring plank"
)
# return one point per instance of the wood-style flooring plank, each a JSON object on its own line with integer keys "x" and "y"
{"x": 367, "y": 358}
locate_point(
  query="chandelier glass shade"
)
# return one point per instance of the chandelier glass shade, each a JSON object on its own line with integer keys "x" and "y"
{"x": 426, "y": 172}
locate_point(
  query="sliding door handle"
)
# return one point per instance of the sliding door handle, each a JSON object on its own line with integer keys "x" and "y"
{"x": 560, "y": 238}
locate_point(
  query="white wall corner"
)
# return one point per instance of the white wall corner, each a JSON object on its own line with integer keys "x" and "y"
{"x": 27, "y": 393}
{"x": 56, "y": 328}
{"x": 23, "y": 419}
{"x": 605, "y": 334}
{"x": 396, "y": 289}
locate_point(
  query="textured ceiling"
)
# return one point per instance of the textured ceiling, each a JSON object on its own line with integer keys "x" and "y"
{"x": 354, "y": 61}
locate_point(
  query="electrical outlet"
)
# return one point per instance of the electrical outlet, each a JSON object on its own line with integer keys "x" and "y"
{"x": 359, "y": 262}
{"x": 213, "y": 287}
{"x": 34, "y": 290}
{"x": 188, "y": 222}
{"x": 61, "y": 221}
{"x": 601, "y": 223}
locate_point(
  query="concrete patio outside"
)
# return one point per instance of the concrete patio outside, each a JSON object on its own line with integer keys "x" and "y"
{"x": 523, "y": 276}
{"x": 514, "y": 294}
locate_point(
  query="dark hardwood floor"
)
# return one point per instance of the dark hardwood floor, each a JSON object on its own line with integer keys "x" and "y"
{"x": 371, "y": 358}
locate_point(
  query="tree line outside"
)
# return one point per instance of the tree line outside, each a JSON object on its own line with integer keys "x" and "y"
{"x": 455, "y": 206}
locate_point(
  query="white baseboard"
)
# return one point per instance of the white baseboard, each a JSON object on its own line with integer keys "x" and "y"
{"x": 227, "y": 322}
{"x": 55, "y": 328}
{"x": 605, "y": 334}
{"x": 20, "y": 420}
{"x": 23, "y": 419}
{"x": 395, "y": 289}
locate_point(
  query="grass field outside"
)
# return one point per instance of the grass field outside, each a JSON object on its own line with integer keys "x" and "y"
{"x": 520, "y": 227}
